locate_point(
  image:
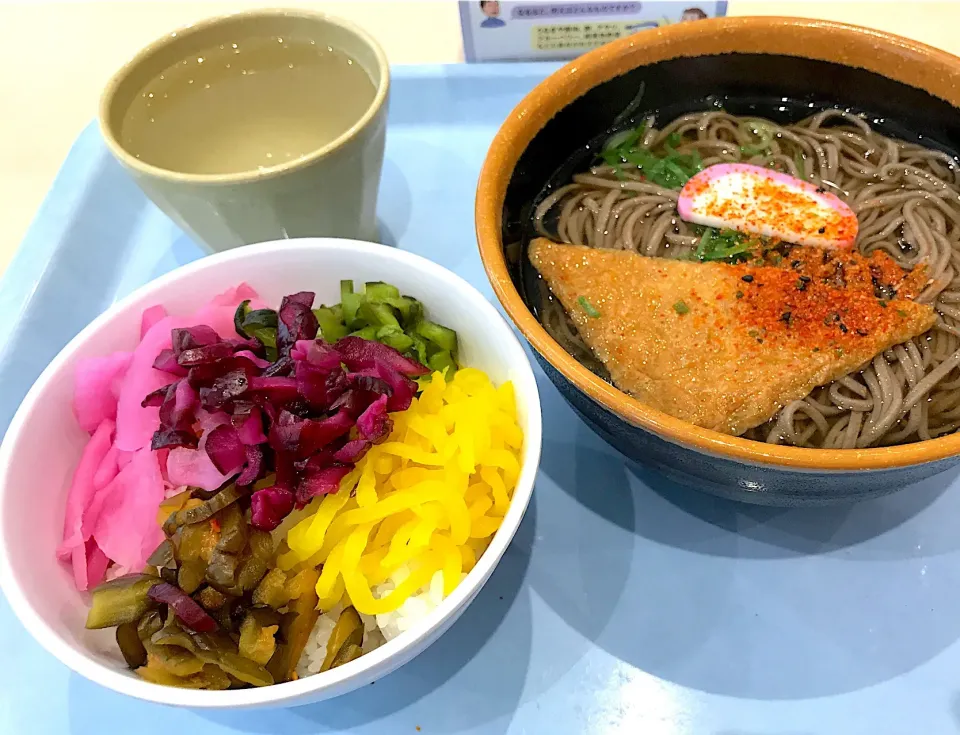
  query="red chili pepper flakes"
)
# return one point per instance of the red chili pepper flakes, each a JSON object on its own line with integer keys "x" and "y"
{"x": 831, "y": 310}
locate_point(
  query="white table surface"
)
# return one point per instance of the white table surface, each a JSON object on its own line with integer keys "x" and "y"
{"x": 56, "y": 56}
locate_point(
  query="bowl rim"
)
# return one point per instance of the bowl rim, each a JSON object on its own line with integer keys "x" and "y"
{"x": 371, "y": 665}
{"x": 894, "y": 57}
{"x": 111, "y": 136}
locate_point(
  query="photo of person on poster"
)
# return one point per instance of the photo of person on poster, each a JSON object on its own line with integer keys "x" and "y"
{"x": 491, "y": 9}
{"x": 692, "y": 14}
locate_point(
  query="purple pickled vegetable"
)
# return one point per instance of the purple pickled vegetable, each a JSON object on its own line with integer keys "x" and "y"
{"x": 178, "y": 410}
{"x": 225, "y": 449}
{"x": 192, "y": 337}
{"x": 352, "y": 452}
{"x": 167, "y": 362}
{"x": 303, "y": 437}
{"x": 226, "y": 388}
{"x": 189, "y": 612}
{"x": 319, "y": 387}
{"x": 285, "y": 469}
{"x": 361, "y": 354}
{"x": 169, "y": 438}
{"x": 322, "y": 482}
{"x": 254, "y": 464}
{"x": 238, "y": 344}
{"x": 296, "y": 321}
{"x": 258, "y": 362}
{"x": 354, "y": 402}
{"x": 204, "y": 355}
{"x": 250, "y": 426}
{"x": 308, "y": 417}
{"x": 278, "y": 390}
{"x": 269, "y": 409}
{"x": 269, "y": 506}
{"x": 316, "y": 435}
{"x": 402, "y": 388}
{"x": 284, "y": 433}
{"x": 316, "y": 352}
{"x": 366, "y": 381}
{"x": 243, "y": 360}
{"x": 375, "y": 424}
{"x": 304, "y": 298}
{"x": 282, "y": 367}
{"x": 299, "y": 407}
{"x": 156, "y": 398}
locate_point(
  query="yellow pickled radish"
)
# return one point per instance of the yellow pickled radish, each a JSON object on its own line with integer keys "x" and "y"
{"x": 427, "y": 500}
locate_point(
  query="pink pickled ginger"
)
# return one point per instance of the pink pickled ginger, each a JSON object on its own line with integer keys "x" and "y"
{"x": 111, "y": 510}
{"x": 136, "y": 424}
{"x": 97, "y": 385}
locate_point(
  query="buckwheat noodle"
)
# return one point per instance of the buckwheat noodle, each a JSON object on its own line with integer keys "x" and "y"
{"x": 907, "y": 199}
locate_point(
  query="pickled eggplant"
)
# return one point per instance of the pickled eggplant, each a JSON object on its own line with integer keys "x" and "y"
{"x": 121, "y": 600}
{"x": 149, "y": 625}
{"x": 297, "y": 625}
{"x": 130, "y": 645}
{"x": 211, "y": 599}
{"x": 238, "y": 666}
{"x": 163, "y": 555}
{"x": 205, "y": 510}
{"x": 347, "y": 632}
{"x": 257, "y": 642}
{"x": 221, "y": 572}
{"x": 174, "y": 660}
{"x": 255, "y": 565}
{"x": 195, "y": 542}
{"x": 209, "y": 677}
{"x": 233, "y": 529}
{"x": 272, "y": 590}
{"x": 345, "y": 655}
{"x": 191, "y": 575}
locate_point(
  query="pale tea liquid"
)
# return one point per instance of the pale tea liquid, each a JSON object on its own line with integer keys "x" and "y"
{"x": 246, "y": 106}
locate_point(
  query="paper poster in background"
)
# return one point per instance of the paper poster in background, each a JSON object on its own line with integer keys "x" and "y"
{"x": 526, "y": 31}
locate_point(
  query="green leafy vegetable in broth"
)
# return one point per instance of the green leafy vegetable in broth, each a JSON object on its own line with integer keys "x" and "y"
{"x": 765, "y": 134}
{"x": 723, "y": 245}
{"x": 668, "y": 167}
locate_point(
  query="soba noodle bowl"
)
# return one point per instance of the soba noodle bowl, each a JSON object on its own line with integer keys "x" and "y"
{"x": 907, "y": 201}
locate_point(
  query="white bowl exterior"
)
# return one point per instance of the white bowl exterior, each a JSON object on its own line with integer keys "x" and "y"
{"x": 44, "y": 442}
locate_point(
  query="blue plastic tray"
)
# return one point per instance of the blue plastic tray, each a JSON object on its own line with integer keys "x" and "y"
{"x": 626, "y": 604}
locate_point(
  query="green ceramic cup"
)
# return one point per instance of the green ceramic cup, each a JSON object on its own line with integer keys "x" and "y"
{"x": 330, "y": 191}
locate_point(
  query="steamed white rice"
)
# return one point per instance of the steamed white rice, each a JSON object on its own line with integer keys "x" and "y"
{"x": 377, "y": 629}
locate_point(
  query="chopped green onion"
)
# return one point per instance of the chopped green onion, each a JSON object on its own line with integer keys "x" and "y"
{"x": 368, "y": 333}
{"x": 801, "y": 165}
{"x": 380, "y": 291}
{"x": 331, "y": 323}
{"x": 441, "y": 361}
{"x": 378, "y": 315}
{"x": 728, "y": 245}
{"x": 588, "y": 307}
{"x": 681, "y": 308}
{"x": 671, "y": 169}
{"x": 442, "y": 337}
{"x": 394, "y": 337}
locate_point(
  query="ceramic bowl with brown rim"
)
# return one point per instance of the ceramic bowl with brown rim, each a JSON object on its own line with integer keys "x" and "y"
{"x": 751, "y": 64}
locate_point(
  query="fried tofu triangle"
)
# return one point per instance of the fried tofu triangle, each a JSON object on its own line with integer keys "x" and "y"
{"x": 727, "y": 346}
